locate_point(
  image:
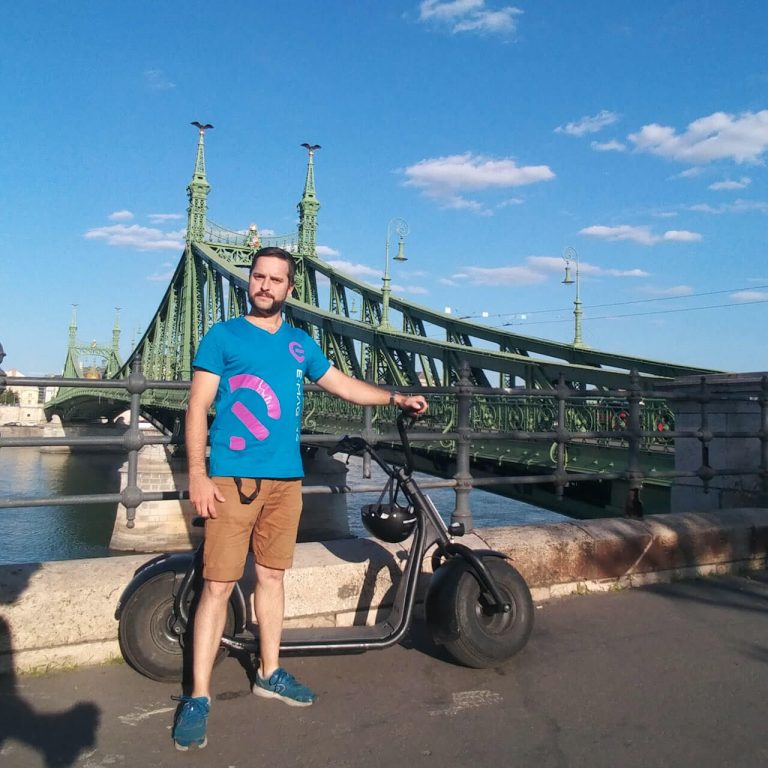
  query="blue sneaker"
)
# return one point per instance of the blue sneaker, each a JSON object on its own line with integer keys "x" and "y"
{"x": 284, "y": 686}
{"x": 191, "y": 722}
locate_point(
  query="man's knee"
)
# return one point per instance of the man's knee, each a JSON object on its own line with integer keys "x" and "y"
{"x": 218, "y": 590}
{"x": 269, "y": 577}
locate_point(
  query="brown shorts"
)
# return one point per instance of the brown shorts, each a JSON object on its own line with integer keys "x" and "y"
{"x": 263, "y": 514}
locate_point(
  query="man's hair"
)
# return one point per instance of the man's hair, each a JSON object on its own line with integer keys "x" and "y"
{"x": 279, "y": 253}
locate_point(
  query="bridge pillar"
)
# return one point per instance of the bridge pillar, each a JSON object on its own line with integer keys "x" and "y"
{"x": 54, "y": 428}
{"x": 718, "y": 403}
{"x": 163, "y": 526}
{"x": 160, "y": 526}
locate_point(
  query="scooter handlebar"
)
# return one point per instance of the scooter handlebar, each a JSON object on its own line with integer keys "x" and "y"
{"x": 356, "y": 446}
{"x": 402, "y": 429}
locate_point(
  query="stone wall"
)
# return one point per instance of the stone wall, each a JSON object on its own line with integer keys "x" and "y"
{"x": 54, "y": 615}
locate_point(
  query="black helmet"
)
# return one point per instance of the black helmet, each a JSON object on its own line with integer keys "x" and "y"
{"x": 388, "y": 522}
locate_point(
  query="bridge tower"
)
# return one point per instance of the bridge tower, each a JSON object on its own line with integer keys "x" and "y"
{"x": 77, "y": 353}
{"x": 308, "y": 207}
{"x": 198, "y": 190}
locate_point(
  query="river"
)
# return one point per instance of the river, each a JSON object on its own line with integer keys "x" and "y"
{"x": 37, "y": 534}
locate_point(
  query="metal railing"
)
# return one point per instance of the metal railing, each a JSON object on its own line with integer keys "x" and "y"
{"x": 633, "y": 421}
{"x": 214, "y": 233}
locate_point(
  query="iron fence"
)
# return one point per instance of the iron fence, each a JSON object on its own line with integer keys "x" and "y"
{"x": 635, "y": 422}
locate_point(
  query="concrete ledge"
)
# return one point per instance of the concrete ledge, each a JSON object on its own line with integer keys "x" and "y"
{"x": 61, "y": 614}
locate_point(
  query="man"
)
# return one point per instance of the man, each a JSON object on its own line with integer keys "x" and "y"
{"x": 253, "y": 367}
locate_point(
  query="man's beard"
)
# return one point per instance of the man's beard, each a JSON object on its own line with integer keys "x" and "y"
{"x": 275, "y": 309}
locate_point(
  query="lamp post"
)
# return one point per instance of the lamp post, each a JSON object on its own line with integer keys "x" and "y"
{"x": 569, "y": 255}
{"x": 400, "y": 226}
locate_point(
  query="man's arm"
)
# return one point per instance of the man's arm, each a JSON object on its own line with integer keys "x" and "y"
{"x": 203, "y": 493}
{"x": 362, "y": 393}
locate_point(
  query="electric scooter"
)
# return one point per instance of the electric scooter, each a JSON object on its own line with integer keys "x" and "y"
{"x": 477, "y": 606}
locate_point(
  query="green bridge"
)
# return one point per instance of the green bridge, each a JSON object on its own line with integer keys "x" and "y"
{"x": 369, "y": 333}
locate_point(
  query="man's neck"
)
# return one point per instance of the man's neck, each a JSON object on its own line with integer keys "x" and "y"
{"x": 269, "y": 323}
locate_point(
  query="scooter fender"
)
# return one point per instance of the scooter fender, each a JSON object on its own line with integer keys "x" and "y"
{"x": 177, "y": 563}
{"x": 442, "y": 589}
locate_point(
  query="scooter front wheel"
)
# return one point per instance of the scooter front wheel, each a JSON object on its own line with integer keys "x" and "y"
{"x": 146, "y": 631}
{"x": 481, "y": 636}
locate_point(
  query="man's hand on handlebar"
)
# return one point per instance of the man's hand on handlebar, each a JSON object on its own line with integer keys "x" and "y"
{"x": 416, "y": 405}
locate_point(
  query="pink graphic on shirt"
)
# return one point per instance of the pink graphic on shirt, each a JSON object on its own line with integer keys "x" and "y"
{"x": 297, "y": 351}
{"x": 251, "y": 423}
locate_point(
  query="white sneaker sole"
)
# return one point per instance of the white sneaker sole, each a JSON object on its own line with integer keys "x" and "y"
{"x": 265, "y": 694}
{"x": 183, "y": 748}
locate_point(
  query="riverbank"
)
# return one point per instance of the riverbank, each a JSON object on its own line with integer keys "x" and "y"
{"x": 61, "y": 614}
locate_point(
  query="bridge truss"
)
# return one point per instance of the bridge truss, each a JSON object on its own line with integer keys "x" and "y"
{"x": 366, "y": 334}
{"x": 428, "y": 348}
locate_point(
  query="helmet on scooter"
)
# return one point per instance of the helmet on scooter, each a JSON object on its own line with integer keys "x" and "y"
{"x": 388, "y": 522}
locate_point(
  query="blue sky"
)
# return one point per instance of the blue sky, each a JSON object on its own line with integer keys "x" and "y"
{"x": 634, "y": 133}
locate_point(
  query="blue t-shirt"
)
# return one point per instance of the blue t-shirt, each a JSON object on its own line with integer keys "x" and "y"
{"x": 260, "y": 396}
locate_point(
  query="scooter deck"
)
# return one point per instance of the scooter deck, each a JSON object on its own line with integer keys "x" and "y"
{"x": 362, "y": 638}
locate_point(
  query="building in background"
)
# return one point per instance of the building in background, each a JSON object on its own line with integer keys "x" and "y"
{"x": 23, "y": 406}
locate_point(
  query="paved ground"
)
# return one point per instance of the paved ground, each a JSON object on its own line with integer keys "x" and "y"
{"x": 675, "y": 675}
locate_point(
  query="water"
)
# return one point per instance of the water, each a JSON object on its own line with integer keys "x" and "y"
{"x": 488, "y": 509}
{"x": 38, "y": 534}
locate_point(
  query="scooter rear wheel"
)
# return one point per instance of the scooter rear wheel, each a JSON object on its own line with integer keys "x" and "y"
{"x": 146, "y": 635}
{"x": 484, "y": 637}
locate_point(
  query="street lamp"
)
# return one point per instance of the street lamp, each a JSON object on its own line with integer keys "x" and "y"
{"x": 400, "y": 226}
{"x": 569, "y": 255}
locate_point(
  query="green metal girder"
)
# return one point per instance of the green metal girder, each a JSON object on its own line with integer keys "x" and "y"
{"x": 361, "y": 347}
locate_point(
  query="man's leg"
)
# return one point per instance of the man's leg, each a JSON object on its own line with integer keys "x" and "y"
{"x": 226, "y": 546}
{"x": 210, "y": 617}
{"x": 269, "y": 599}
{"x": 274, "y": 540}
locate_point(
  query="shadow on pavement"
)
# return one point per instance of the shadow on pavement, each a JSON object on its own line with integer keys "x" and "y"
{"x": 59, "y": 737}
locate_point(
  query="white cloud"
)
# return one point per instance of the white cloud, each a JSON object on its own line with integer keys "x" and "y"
{"x": 163, "y": 277}
{"x": 642, "y": 235}
{"x": 443, "y": 178}
{"x": 674, "y": 290}
{"x": 446, "y": 281}
{"x": 355, "y": 270}
{"x": 556, "y": 264}
{"x": 718, "y": 186}
{"x": 589, "y": 124}
{"x": 414, "y": 290}
{"x": 689, "y": 173}
{"x": 504, "y": 276}
{"x": 608, "y": 146}
{"x": 509, "y": 202}
{"x": 469, "y": 16}
{"x": 738, "y": 206}
{"x": 161, "y": 218}
{"x": 681, "y": 236}
{"x": 136, "y": 236}
{"x": 742, "y": 138}
{"x": 750, "y": 296}
{"x": 625, "y": 272}
{"x": 157, "y": 80}
{"x": 326, "y": 250}
{"x": 120, "y": 216}
{"x": 537, "y": 269}
{"x": 459, "y": 203}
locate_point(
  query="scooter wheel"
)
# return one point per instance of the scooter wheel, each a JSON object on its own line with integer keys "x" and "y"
{"x": 480, "y": 636}
{"x": 146, "y": 635}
